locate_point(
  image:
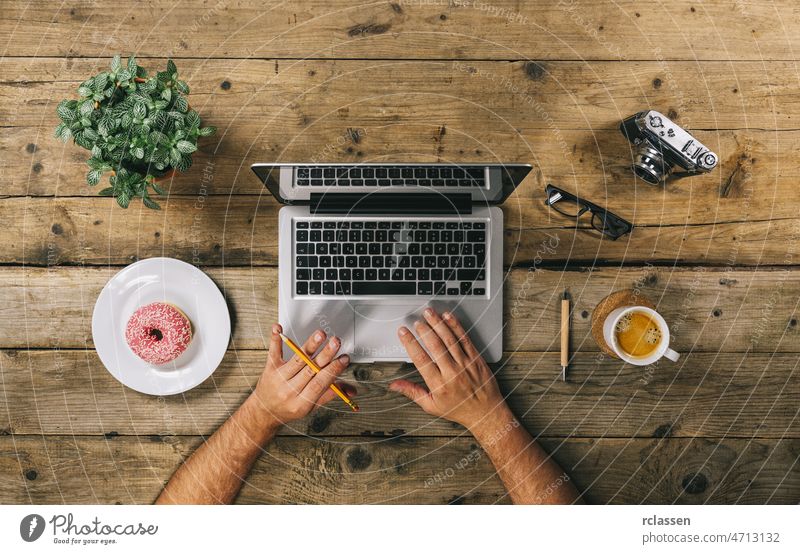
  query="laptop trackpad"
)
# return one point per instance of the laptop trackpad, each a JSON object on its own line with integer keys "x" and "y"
{"x": 376, "y": 330}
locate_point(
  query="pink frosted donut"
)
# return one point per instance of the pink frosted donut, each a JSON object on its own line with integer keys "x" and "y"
{"x": 158, "y": 333}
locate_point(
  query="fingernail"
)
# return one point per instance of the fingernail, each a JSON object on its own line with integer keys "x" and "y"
{"x": 447, "y": 315}
{"x": 333, "y": 344}
{"x": 403, "y": 331}
{"x": 276, "y": 330}
{"x": 428, "y": 312}
{"x": 344, "y": 359}
{"x": 319, "y": 335}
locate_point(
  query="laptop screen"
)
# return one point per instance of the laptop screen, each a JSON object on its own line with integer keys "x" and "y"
{"x": 295, "y": 183}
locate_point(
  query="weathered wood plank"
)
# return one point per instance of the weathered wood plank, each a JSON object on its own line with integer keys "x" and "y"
{"x": 54, "y": 470}
{"x": 704, "y": 395}
{"x": 242, "y": 230}
{"x": 581, "y": 30}
{"x": 709, "y": 310}
{"x": 512, "y": 95}
{"x": 756, "y": 179}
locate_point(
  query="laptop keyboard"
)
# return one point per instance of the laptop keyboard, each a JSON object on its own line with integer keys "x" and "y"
{"x": 360, "y": 258}
{"x": 388, "y": 176}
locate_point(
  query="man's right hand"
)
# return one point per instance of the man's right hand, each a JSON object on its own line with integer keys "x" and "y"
{"x": 461, "y": 386}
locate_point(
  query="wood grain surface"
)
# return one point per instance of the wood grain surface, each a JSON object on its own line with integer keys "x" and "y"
{"x": 329, "y": 80}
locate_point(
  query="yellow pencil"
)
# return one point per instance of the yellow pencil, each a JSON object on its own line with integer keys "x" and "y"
{"x": 310, "y": 363}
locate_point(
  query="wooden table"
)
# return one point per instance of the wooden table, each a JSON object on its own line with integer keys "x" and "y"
{"x": 543, "y": 83}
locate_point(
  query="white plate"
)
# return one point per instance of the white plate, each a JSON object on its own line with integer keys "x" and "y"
{"x": 161, "y": 280}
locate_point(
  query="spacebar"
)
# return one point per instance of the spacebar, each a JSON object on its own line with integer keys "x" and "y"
{"x": 378, "y": 287}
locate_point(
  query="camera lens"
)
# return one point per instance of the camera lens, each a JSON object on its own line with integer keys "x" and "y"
{"x": 649, "y": 164}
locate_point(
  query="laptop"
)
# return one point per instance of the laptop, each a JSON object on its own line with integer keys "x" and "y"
{"x": 364, "y": 248}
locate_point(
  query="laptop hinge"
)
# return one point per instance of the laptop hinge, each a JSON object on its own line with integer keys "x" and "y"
{"x": 389, "y": 203}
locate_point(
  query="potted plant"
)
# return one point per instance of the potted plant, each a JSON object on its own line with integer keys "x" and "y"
{"x": 138, "y": 128}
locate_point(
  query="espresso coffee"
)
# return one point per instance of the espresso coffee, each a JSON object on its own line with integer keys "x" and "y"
{"x": 637, "y": 334}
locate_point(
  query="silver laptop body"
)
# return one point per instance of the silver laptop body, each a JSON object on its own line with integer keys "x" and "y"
{"x": 364, "y": 248}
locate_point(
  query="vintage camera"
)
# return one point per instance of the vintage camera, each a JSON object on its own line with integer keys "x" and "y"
{"x": 661, "y": 144}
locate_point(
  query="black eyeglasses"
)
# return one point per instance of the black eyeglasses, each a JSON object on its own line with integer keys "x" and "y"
{"x": 569, "y": 205}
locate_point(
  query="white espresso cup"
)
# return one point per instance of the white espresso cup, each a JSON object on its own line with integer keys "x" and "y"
{"x": 662, "y": 349}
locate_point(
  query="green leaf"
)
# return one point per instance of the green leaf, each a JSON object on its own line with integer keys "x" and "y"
{"x": 175, "y": 156}
{"x": 138, "y": 152}
{"x": 65, "y": 112}
{"x": 87, "y": 107}
{"x": 132, "y": 66}
{"x": 184, "y": 164}
{"x": 186, "y": 147}
{"x": 163, "y": 76}
{"x": 124, "y": 75}
{"x": 166, "y": 94}
{"x": 123, "y": 199}
{"x": 182, "y": 87}
{"x": 193, "y": 119}
{"x": 90, "y": 134}
{"x": 171, "y": 67}
{"x": 93, "y": 177}
{"x": 140, "y": 111}
{"x": 207, "y": 131}
{"x": 59, "y": 130}
{"x": 181, "y": 104}
{"x": 106, "y": 191}
{"x": 116, "y": 64}
{"x": 153, "y": 205}
{"x": 99, "y": 83}
{"x": 85, "y": 91}
{"x": 157, "y": 188}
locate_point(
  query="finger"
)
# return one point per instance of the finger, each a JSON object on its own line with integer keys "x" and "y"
{"x": 324, "y": 379}
{"x": 329, "y": 395}
{"x": 458, "y": 330}
{"x": 424, "y": 364}
{"x": 435, "y": 346}
{"x": 275, "y": 355}
{"x": 293, "y": 366}
{"x": 414, "y": 392}
{"x": 446, "y": 335}
{"x": 324, "y": 357}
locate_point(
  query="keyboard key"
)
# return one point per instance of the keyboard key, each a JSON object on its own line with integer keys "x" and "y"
{"x": 471, "y": 275}
{"x": 303, "y": 248}
{"x": 383, "y": 288}
{"x": 327, "y": 288}
{"x": 318, "y": 274}
{"x": 315, "y": 287}
{"x": 303, "y": 274}
{"x": 425, "y": 288}
{"x": 345, "y": 274}
{"x": 466, "y": 287}
{"x": 479, "y": 292}
{"x": 306, "y": 261}
{"x": 301, "y": 224}
{"x": 302, "y": 236}
{"x": 452, "y": 292}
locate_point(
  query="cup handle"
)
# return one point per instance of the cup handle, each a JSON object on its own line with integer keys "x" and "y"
{"x": 671, "y": 355}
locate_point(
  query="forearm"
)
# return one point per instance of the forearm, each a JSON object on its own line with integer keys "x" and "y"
{"x": 215, "y": 473}
{"x": 529, "y": 474}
